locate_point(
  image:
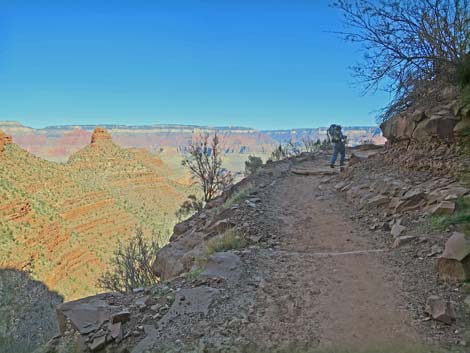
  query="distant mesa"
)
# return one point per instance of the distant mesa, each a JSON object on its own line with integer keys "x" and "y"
{"x": 4, "y": 140}
{"x": 99, "y": 135}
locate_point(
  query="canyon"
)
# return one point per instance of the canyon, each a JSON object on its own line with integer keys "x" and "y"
{"x": 62, "y": 222}
{"x": 57, "y": 143}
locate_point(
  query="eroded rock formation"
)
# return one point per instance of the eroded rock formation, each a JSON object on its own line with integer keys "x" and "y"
{"x": 4, "y": 140}
{"x": 99, "y": 135}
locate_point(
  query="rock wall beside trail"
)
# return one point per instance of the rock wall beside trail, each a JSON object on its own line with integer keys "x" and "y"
{"x": 427, "y": 138}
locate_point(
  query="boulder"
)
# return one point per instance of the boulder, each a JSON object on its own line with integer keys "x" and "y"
{"x": 190, "y": 301}
{"x": 411, "y": 200}
{"x": 454, "y": 263}
{"x": 85, "y": 315}
{"x": 438, "y": 126}
{"x": 397, "y": 230}
{"x": 223, "y": 265}
{"x": 377, "y": 201}
{"x": 98, "y": 343}
{"x": 181, "y": 228}
{"x": 122, "y": 316}
{"x": 403, "y": 240}
{"x": 444, "y": 208}
{"x": 440, "y": 309}
{"x": 168, "y": 262}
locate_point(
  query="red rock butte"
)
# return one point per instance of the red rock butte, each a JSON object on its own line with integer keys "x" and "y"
{"x": 100, "y": 134}
{"x": 4, "y": 140}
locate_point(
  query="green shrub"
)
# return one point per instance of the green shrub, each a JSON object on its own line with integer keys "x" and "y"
{"x": 237, "y": 198}
{"x": 252, "y": 164}
{"x": 228, "y": 241}
{"x": 189, "y": 207}
{"x": 460, "y": 219}
{"x": 131, "y": 266}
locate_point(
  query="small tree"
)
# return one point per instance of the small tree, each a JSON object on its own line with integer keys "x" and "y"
{"x": 310, "y": 145}
{"x": 205, "y": 164}
{"x": 412, "y": 49}
{"x": 131, "y": 266}
{"x": 279, "y": 153}
{"x": 252, "y": 164}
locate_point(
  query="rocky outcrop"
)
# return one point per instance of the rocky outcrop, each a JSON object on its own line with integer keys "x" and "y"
{"x": 189, "y": 237}
{"x": 100, "y": 135}
{"x": 424, "y": 124}
{"x": 4, "y": 140}
{"x": 426, "y": 138}
{"x": 454, "y": 263}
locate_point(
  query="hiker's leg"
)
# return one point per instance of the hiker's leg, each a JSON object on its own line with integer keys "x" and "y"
{"x": 335, "y": 154}
{"x": 342, "y": 153}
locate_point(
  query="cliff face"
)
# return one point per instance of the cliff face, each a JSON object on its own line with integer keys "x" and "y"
{"x": 57, "y": 143}
{"x": 427, "y": 138}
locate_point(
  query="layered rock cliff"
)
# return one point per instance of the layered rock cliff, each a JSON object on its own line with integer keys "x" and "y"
{"x": 63, "y": 222}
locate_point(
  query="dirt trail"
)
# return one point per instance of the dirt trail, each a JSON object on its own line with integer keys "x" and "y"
{"x": 323, "y": 281}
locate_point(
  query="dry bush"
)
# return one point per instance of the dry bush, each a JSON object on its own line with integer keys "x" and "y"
{"x": 412, "y": 49}
{"x": 131, "y": 265}
{"x": 228, "y": 241}
{"x": 205, "y": 164}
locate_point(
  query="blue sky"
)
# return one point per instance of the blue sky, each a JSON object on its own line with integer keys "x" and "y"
{"x": 263, "y": 64}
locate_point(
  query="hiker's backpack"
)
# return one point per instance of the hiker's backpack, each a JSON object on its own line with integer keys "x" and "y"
{"x": 333, "y": 133}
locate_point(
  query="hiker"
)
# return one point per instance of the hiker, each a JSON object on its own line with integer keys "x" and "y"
{"x": 336, "y": 137}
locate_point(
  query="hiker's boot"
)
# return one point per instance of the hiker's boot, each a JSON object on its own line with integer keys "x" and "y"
{"x": 332, "y": 165}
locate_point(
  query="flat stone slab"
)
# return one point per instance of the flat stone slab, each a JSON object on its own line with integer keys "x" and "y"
{"x": 224, "y": 265}
{"x": 190, "y": 301}
{"x": 85, "y": 314}
{"x": 151, "y": 336}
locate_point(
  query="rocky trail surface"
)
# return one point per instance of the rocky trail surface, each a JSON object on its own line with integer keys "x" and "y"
{"x": 315, "y": 273}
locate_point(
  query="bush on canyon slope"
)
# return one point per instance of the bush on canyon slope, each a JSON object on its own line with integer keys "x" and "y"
{"x": 204, "y": 161}
{"x": 131, "y": 265}
{"x": 189, "y": 207}
{"x": 252, "y": 164}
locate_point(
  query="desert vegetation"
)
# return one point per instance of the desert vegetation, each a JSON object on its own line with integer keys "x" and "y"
{"x": 294, "y": 149}
{"x": 204, "y": 162}
{"x": 252, "y": 164}
{"x": 416, "y": 50}
{"x": 131, "y": 265}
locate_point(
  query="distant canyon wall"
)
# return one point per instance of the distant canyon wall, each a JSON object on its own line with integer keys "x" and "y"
{"x": 59, "y": 142}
